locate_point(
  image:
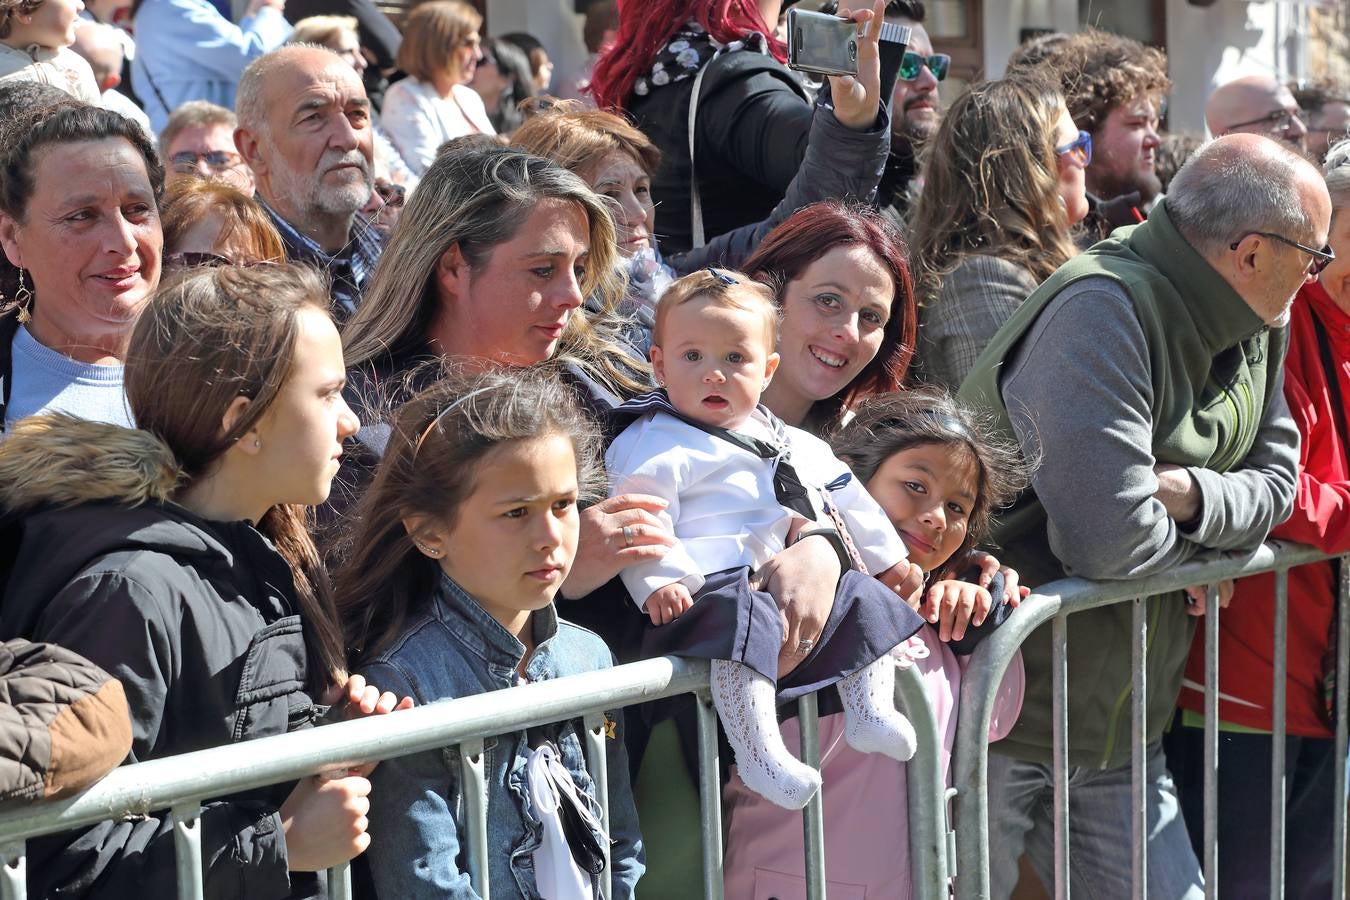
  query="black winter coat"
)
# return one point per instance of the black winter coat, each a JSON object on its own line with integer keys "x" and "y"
{"x": 198, "y": 620}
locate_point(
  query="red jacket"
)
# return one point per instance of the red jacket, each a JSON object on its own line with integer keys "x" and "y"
{"x": 1321, "y": 518}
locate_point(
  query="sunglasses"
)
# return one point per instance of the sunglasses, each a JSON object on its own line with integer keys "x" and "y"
{"x": 214, "y": 159}
{"x": 196, "y": 259}
{"x": 1081, "y": 145}
{"x": 912, "y": 64}
{"x": 1320, "y": 258}
{"x": 393, "y": 195}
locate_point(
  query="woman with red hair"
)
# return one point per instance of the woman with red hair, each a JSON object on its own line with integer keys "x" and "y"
{"x": 752, "y": 115}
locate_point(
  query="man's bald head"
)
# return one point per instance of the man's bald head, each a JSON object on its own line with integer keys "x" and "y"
{"x": 1255, "y": 104}
{"x": 100, "y": 46}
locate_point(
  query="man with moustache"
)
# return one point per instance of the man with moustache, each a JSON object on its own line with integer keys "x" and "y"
{"x": 1114, "y": 88}
{"x": 305, "y": 130}
{"x": 914, "y": 112}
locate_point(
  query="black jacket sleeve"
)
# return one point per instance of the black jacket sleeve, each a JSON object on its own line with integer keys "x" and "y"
{"x": 123, "y": 627}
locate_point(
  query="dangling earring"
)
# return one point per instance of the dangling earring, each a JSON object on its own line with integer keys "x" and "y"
{"x": 23, "y": 299}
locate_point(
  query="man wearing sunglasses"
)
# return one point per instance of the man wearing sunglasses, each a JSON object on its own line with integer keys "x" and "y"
{"x": 915, "y": 111}
{"x": 1147, "y": 375}
{"x": 198, "y": 142}
{"x": 1257, "y": 104}
{"x": 1114, "y": 88}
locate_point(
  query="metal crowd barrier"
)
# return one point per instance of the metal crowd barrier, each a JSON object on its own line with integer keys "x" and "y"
{"x": 1058, "y": 600}
{"x": 181, "y": 783}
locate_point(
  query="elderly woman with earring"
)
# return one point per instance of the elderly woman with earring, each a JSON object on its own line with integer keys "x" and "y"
{"x": 79, "y": 221}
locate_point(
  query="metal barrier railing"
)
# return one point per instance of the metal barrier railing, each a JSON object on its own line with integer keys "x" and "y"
{"x": 1060, "y": 599}
{"x": 180, "y": 783}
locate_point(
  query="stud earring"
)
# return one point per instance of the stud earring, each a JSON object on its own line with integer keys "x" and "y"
{"x": 257, "y": 442}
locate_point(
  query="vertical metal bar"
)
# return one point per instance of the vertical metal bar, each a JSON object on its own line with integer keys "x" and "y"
{"x": 710, "y": 798}
{"x": 13, "y": 872}
{"x": 1059, "y": 700}
{"x": 1138, "y": 756}
{"x": 471, "y": 770}
{"x": 340, "y": 882}
{"x": 1277, "y": 748}
{"x": 813, "y": 816}
{"x": 187, "y": 843}
{"x": 1211, "y": 802}
{"x": 597, "y": 764}
{"x": 930, "y": 838}
{"x": 1342, "y": 683}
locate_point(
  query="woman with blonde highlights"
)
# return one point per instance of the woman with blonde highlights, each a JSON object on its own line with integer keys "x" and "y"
{"x": 1002, "y": 187}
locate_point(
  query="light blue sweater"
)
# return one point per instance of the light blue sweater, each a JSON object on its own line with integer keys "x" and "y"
{"x": 186, "y": 50}
{"x": 47, "y": 381}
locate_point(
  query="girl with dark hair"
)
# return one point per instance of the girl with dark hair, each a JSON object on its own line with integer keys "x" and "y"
{"x": 937, "y": 473}
{"x": 841, "y": 280}
{"x": 177, "y": 558}
{"x": 483, "y": 468}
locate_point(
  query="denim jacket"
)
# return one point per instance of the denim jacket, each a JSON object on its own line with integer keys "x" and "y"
{"x": 455, "y": 649}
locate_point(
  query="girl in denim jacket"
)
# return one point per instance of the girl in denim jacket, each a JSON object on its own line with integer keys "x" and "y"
{"x": 464, "y": 538}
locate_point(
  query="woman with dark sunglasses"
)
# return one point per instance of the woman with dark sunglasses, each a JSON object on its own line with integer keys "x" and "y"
{"x": 1003, "y": 186}
{"x": 207, "y": 223}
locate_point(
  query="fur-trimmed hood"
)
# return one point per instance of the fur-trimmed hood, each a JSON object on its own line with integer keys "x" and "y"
{"x": 59, "y": 460}
{"x": 73, "y": 492}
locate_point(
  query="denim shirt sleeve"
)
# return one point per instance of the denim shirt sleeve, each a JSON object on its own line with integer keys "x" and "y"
{"x": 414, "y": 838}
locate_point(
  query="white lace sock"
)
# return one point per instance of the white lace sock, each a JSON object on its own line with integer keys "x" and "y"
{"x": 872, "y": 724}
{"x": 745, "y": 703}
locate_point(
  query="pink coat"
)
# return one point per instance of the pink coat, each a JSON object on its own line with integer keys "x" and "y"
{"x": 866, "y": 818}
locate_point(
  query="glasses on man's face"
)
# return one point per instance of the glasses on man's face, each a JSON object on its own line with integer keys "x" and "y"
{"x": 1275, "y": 122}
{"x": 912, "y": 64}
{"x": 216, "y": 160}
{"x": 1080, "y": 146}
{"x": 393, "y": 195}
{"x": 1320, "y": 258}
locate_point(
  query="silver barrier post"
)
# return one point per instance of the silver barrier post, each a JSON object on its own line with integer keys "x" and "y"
{"x": 931, "y": 844}
{"x": 1138, "y": 759}
{"x": 1342, "y": 683}
{"x": 709, "y": 797}
{"x": 597, "y": 764}
{"x": 472, "y": 775}
{"x": 1277, "y": 704}
{"x": 340, "y": 882}
{"x": 13, "y": 872}
{"x": 813, "y": 816}
{"x": 187, "y": 844}
{"x": 1059, "y": 705}
{"x": 1211, "y": 801}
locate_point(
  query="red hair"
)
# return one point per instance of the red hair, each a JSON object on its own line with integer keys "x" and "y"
{"x": 644, "y": 31}
{"x": 806, "y": 236}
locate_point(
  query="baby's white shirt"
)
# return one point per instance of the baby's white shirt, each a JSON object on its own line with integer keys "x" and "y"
{"x": 722, "y": 507}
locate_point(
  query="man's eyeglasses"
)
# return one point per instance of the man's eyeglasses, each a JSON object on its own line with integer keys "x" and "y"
{"x": 1275, "y": 122}
{"x": 1320, "y": 258}
{"x": 912, "y": 64}
{"x": 1081, "y": 145}
{"x": 216, "y": 160}
{"x": 393, "y": 195}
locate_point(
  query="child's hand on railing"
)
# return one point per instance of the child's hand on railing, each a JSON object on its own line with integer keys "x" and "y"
{"x": 1197, "y": 596}
{"x": 325, "y": 821}
{"x": 952, "y": 606}
{"x": 989, "y": 566}
{"x": 356, "y": 699}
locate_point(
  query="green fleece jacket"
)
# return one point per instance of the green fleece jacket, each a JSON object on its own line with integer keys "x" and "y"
{"x": 1132, "y": 354}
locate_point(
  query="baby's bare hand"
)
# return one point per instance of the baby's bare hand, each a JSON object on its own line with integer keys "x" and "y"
{"x": 667, "y": 604}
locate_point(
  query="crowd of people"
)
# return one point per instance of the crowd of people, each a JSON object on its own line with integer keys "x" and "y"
{"x": 345, "y": 369}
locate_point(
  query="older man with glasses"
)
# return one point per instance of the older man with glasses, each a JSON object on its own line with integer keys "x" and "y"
{"x": 198, "y": 141}
{"x": 1147, "y": 375}
{"x": 1257, "y": 104}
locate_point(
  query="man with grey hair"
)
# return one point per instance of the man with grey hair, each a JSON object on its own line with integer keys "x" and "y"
{"x": 1146, "y": 373}
{"x": 305, "y": 130}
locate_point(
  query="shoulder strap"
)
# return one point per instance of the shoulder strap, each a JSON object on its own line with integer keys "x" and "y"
{"x": 1333, "y": 378}
{"x": 695, "y": 195}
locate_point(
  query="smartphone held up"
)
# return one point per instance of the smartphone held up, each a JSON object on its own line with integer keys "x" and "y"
{"x": 823, "y": 44}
